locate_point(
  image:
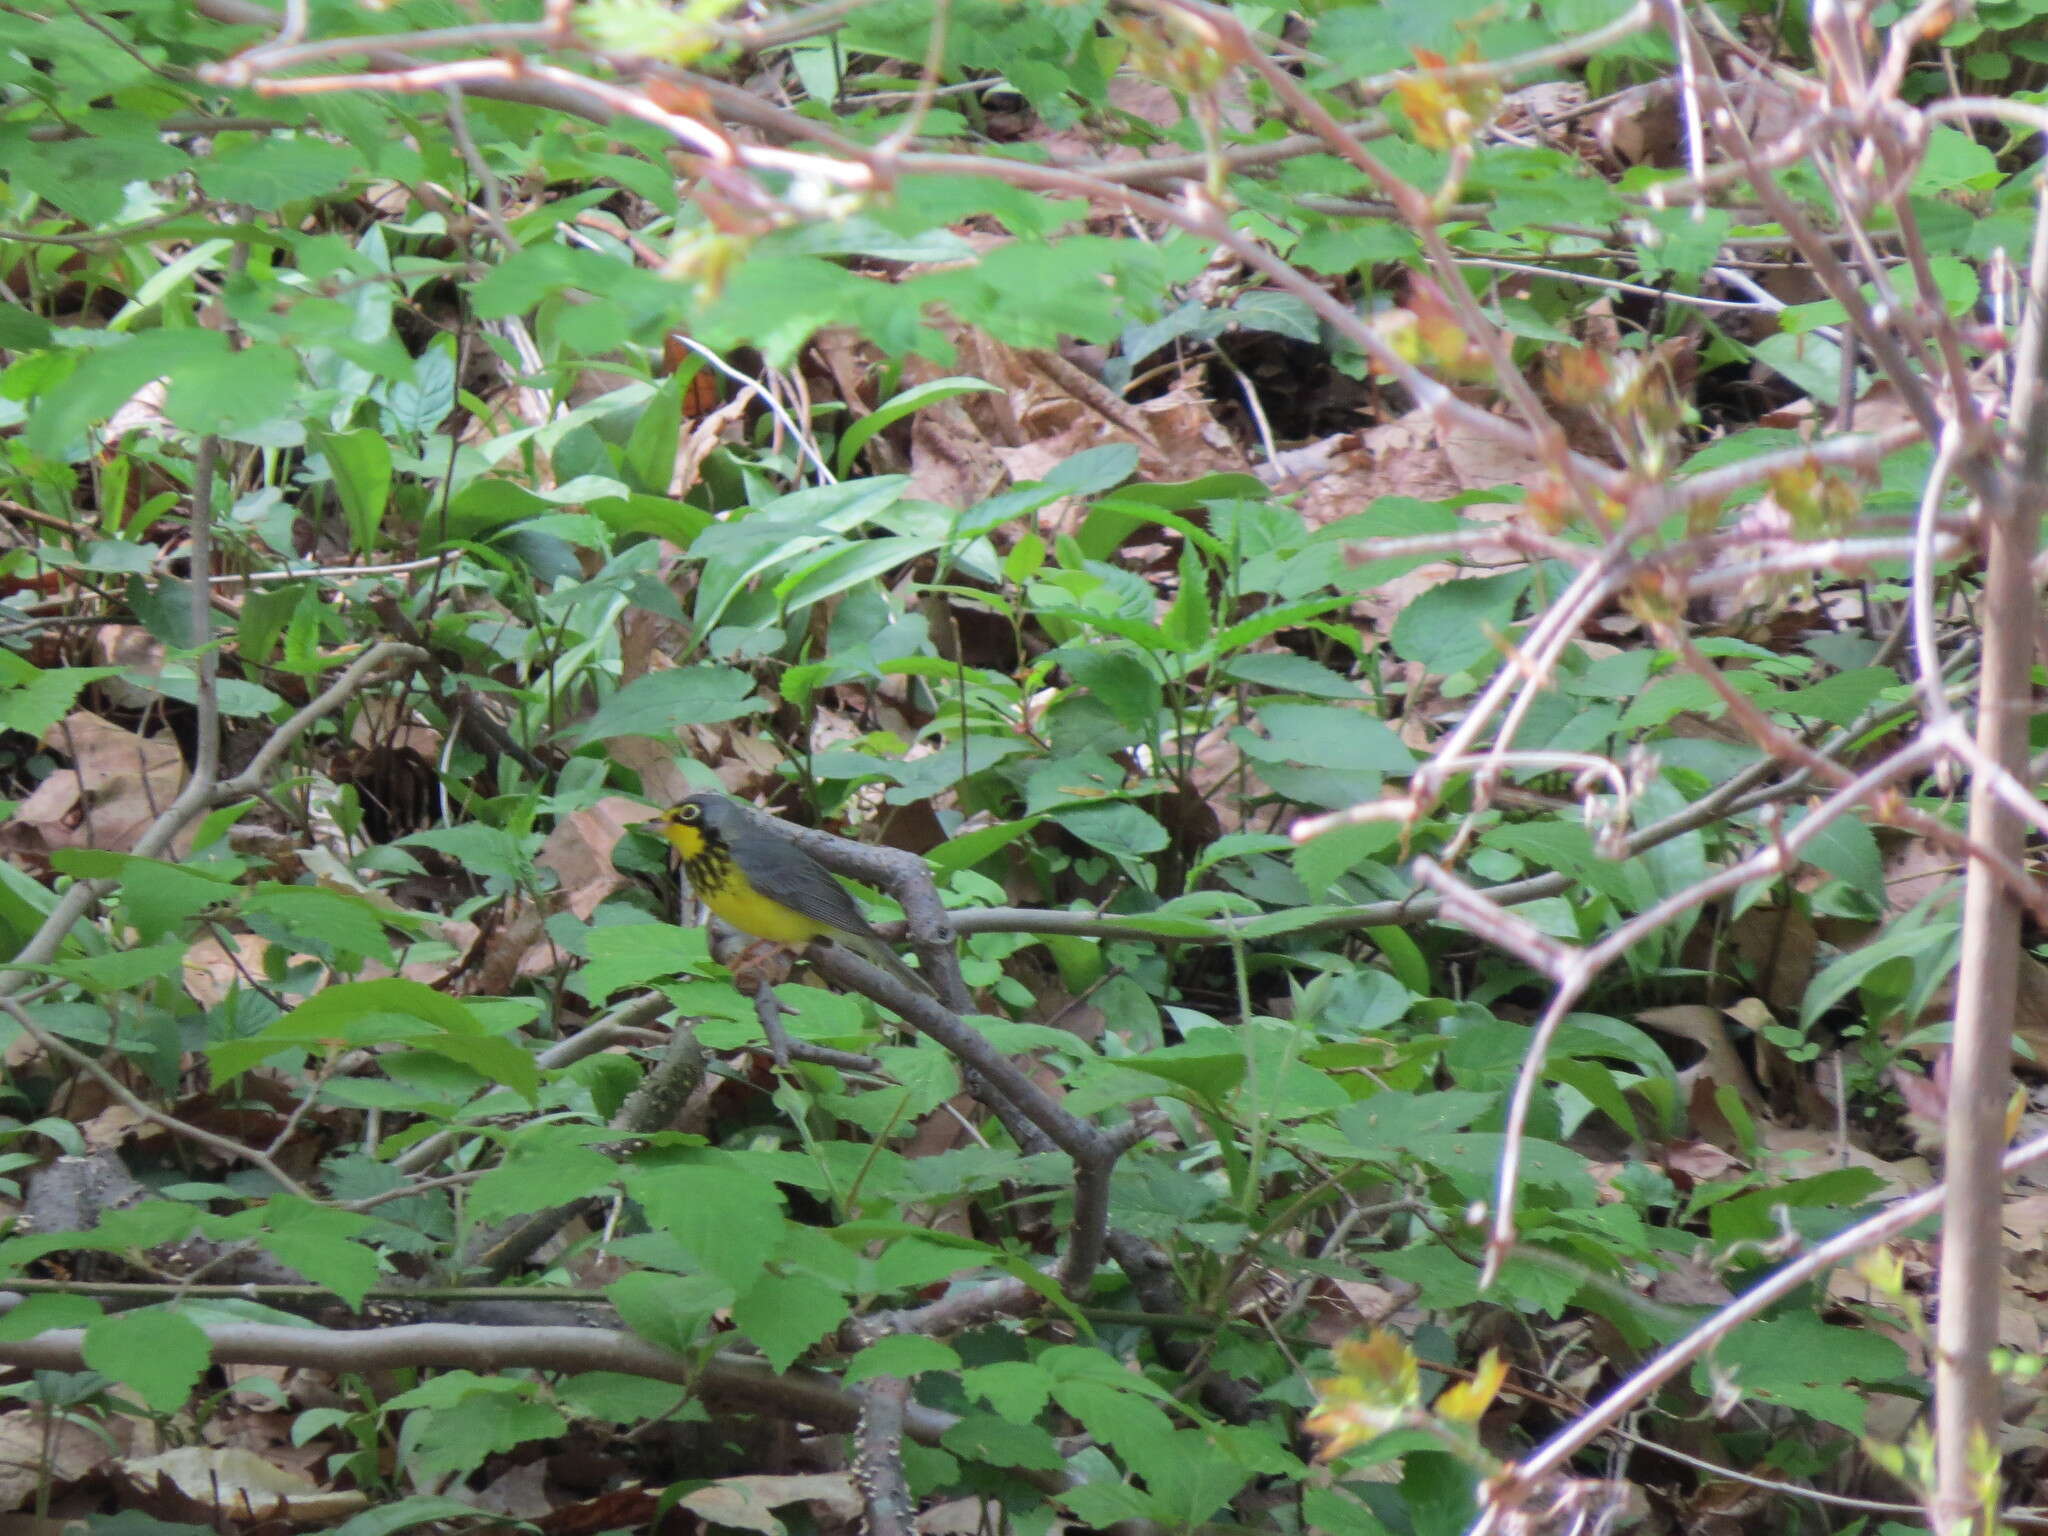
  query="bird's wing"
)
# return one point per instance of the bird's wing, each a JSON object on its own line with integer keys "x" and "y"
{"x": 800, "y": 882}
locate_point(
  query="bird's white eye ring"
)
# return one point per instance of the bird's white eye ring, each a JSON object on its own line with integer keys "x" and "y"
{"x": 688, "y": 813}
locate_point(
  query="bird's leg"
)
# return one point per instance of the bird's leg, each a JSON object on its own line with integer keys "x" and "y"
{"x": 762, "y": 963}
{"x": 754, "y": 964}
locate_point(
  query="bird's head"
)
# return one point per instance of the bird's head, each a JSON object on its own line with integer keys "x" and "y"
{"x": 696, "y": 820}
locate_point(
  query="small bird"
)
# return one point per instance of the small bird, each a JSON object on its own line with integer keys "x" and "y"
{"x": 765, "y": 885}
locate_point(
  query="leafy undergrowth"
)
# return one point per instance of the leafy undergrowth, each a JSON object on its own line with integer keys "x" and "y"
{"x": 1365, "y": 620}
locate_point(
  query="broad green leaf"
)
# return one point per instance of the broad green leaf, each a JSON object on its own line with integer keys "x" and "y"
{"x": 236, "y": 392}
{"x": 1847, "y": 849}
{"x": 41, "y": 1314}
{"x": 360, "y": 463}
{"x": 992, "y": 1439}
{"x": 1325, "y": 736}
{"x": 1841, "y": 699}
{"x": 672, "y": 1311}
{"x": 728, "y": 1221}
{"x": 1321, "y": 861}
{"x": 1825, "y": 1369}
{"x": 338, "y": 921}
{"x": 324, "y": 1245}
{"x": 1126, "y": 683}
{"x": 657, "y": 703}
{"x": 1454, "y": 626}
{"x": 87, "y": 177}
{"x": 786, "y": 1314}
{"x": 153, "y": 1351}
{"x": 902, "y": 1354}
{"x": 1117, "y": 827}
{"x": 23, "y": 330}
{"x": 124, "y": 969}
{"x": 373, "y": 1012}
{"x": 541, "y": 1170}
{"x": 109, "y": 376}
{"x": 1284, "y": 672}
{"x": 266, "y": 173}
{"x": 158, "y": 897}
{"x": 618, "y": 1398}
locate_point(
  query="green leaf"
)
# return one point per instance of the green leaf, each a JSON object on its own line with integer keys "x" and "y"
{"x": 1801, "y": 1362}
{"x": 236, "y": 392}
{"x": 108, "y": 377}
{"x": 651, "y": 449}
{"x": 657, "y": 703}
{"x": 1209, "y": 1068}
{"x": 23, "y": 330}
{"x": 371, "y": 1012}
{"x": 1847, "y": 849}
{"x": 545, "y": 1167}
{"x": 1841, "y": 699}
{"x": 360, "y": 463}
{"x": 1121, "y": 679}
{"x": 1456, "y": 625}
{"x": 157, "y": 897}
{"x": 1321, "y": 861}
{"x": 154, "y": 1351}
{"x": 416, "y": 1509}
{"x": 1404, "y": 958}
{"x": 850, "y": 565}
{"x": 1187, "y": 622}
{"x": 266, "y": 173}
{"x": 899, "y": 406}
{"x": 46, "y": 697}
{"x": 786, "y": 1314}
{"x": 730, "y": 1222}
{"x": 458, "y": 1420}
{"x": 969, "y": 849}
{"x": 338, "y": 921}
{"x": 1117, "y": 828}
{"x": 41, "y": 1314}
{"x": 1324, "y": 736}
{"x": 418, "y": 404}
{"x": 1598, "y": 1085}
{"x": 1386, "y": 1122}
{"x": 994, "y": 1441}
{"x": 321, "y": 1244}
{"x": 1951, "y": 159}
{"x": 124, "y": 969}
{"x": 88, "y": 177}
{"x": 1813, "y": 363}
{"x": 902, "y": 1354}
{"x": 1284, "y": 672}
{"x": 672, "y": 1311}
{"x": 1843, "y": 975}
{"x": 1018, "y": 1390}
{"x": 1268, "y": 309}
{"x": 634, "y": 954}
{"x": 618, "y": 1398}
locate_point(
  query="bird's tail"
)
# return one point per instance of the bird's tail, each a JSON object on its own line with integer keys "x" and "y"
{"x": 886, "y": 958}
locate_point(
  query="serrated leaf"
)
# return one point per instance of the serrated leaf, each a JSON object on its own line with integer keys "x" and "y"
{"x": 786, "y": 1314}
{"x": 154, "y": 1351}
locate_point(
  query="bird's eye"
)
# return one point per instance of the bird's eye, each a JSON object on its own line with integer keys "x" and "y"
{"x": 687, "y": 813}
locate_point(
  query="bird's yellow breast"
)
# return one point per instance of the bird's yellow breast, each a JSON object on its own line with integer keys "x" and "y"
{"x": 719, "y": 884}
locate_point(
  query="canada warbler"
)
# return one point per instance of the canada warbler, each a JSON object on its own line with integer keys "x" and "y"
{"x": 767, "y": 886}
